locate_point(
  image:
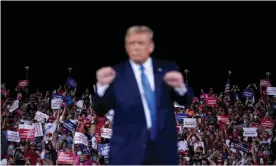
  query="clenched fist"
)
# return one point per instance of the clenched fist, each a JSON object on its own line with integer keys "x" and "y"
{"x": 174, "y": 79}
{"x": 105, "y": 75}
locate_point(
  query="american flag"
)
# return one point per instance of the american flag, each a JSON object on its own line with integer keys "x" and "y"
{"x": 227, "y": 87}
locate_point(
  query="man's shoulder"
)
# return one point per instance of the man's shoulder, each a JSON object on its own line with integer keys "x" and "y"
{"x": 120, "y": 66}
{"x": 166, "y": 64}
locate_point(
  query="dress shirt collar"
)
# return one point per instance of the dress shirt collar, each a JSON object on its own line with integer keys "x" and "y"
{"x": 147, "y": 65}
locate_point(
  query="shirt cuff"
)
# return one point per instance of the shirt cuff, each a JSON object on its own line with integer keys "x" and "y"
{"x": 101, "y": 89}
{"x": 181, "y": 91}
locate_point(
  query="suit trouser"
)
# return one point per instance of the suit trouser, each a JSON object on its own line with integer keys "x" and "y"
{"x": 151, "y": 153}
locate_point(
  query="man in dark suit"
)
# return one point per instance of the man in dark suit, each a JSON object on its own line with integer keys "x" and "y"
{"x": 141, "y": 91}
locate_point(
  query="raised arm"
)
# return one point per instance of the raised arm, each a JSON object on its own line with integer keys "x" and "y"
{"x": 104, "y": 98}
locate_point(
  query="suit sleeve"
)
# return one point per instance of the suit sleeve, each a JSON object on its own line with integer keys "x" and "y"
{"x": 176, "y": 96}
{"x": 104, "y": 100}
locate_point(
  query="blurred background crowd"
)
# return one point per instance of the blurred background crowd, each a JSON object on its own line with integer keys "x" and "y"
{"x": 234, "y": 127}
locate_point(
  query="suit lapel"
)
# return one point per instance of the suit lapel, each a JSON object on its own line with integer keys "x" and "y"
{"x": 132, "y": 83}
{"x": 158, "y": 79}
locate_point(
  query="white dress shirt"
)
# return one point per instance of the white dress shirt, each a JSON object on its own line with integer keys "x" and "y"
{"x": 137, "y": 73}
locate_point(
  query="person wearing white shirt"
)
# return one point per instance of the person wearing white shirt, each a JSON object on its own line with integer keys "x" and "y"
{"x": 141, "y": 92}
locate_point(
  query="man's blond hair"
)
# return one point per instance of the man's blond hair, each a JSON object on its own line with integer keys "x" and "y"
{"x": 139, "y": 29}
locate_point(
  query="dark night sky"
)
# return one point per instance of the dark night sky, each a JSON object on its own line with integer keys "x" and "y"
{"x": 208, "y": 38}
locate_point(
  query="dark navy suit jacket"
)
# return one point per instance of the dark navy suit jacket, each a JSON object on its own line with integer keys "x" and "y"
{"x": 130, "y": 133}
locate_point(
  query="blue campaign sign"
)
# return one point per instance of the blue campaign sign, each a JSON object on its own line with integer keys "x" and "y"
{"x": 57, "y": 96}
{"x": 180, "y": 117}
{"x": 67, "y": 124}
{"x": 71, "y": 82}
{"x": 247, "y": 93}
{"x": 103, "y": 149}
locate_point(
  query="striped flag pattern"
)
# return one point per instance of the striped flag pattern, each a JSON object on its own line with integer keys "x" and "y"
{"x": 227, "y": 88}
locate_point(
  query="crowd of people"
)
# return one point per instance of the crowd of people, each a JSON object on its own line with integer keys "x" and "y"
{"x": 49, "y": 128}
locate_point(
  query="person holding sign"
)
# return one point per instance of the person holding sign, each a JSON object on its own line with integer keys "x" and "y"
{"x": 141, "y": 91}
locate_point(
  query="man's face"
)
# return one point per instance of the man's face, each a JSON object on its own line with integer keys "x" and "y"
{"x": 93, "y": 131}
{"x": 139, "y": 46}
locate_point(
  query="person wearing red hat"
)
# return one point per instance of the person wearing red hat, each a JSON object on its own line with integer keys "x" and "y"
{"x": 51, "y": 119}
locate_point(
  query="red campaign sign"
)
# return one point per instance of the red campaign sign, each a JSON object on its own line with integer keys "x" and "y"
{"x": 265, "y": 83}
{"x": 65, "y": 158}
{"x": 257, "y": 125}
{"x": 267, "y": 122}
{"x": 22, "y": 83}
{"x": 26, "y": 134}
{"x": 204, "y": 96}
{"x": 211, "y": 101}
{"x": 224, "y": 119}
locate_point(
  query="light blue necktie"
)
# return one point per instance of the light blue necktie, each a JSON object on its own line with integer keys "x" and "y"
{"x": 150, "y": 98}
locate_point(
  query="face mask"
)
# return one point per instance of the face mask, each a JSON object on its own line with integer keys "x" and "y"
{"x": 193, "y": 139}
{"x": 79, "y": 153}
{"x": 11, "y": 147}
{"x": 95, "y": 158}
{"x": 47, "y": 156}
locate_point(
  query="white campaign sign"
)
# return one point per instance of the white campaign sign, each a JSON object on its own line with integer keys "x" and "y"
{"x": 39, "y": 116}
{"x": 80, "y": 139}
{"x": 271, "y": 91}
{"x": 14, "y": 106}
{"x": 13, "y": 136}
{"x": 56, "y": 103}
{"x": 250, "y": 132}
{"x": 190, "y": 122}
{"x": 106, "y": 133}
